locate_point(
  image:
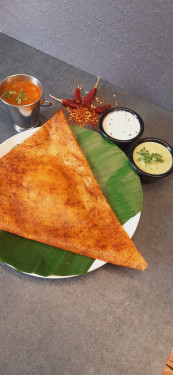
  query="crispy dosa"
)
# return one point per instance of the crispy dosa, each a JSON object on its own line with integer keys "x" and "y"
{"x": 49, "y": 194}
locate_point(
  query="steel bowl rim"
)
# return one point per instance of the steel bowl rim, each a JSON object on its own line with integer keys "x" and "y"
{"x": 26, "y": 75}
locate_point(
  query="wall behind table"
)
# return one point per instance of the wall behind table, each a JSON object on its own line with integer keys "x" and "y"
{"x": 127, "y": 43}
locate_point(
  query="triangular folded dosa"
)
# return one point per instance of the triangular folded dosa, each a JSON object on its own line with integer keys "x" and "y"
{"x": 49, "y": 194}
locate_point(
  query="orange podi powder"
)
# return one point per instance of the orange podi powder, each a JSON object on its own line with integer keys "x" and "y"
{"x": 21, "y": 93}
{"x": 87, "y": 116}
{"x": 82, "y": 116}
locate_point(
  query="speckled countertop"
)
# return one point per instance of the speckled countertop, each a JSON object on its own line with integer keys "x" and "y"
{"x": 123, "y": 325}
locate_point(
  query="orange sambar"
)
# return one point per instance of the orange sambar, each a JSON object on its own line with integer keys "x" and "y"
{"x": 24, "y": 90}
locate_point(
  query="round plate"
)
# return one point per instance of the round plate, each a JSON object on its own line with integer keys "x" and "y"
{"x": 130, "y": 226}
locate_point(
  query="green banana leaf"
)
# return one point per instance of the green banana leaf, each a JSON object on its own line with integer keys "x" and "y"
{"x": 122, "y": 189}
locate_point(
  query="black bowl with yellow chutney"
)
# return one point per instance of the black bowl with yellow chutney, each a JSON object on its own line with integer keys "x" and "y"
{"x": 152, "y": 158}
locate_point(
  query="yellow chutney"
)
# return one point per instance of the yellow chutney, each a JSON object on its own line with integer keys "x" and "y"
{"x": 152, "y": 157}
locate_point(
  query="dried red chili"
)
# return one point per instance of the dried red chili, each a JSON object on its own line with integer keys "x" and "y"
{"x": 90, "y": 96}
{"x": 69, "y": 103}
{"x": 66, "y": 102}
{"x": 100, "y": 109}
{"x": 77, "y": 97}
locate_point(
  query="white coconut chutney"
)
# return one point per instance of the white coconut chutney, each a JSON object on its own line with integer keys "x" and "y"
{"x": 121, "y": 125}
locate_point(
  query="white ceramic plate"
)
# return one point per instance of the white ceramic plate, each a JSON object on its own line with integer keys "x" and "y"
{"x": 130, "y": 226}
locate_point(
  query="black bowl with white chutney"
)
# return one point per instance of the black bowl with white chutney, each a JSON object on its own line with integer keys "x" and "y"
{"x": 121, "y": 125}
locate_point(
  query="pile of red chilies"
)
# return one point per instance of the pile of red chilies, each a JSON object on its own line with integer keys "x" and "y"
{"x": 77, "y": 100}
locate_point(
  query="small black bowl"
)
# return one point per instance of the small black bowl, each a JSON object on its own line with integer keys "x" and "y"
{"x": 123, "y": 144}
{"x": 144, "y": 176}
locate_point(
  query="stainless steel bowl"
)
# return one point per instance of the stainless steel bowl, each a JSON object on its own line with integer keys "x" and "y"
{"x": 24, "y": 116}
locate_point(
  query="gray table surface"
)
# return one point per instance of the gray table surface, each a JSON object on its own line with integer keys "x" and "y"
{"x": 124, "y": 323}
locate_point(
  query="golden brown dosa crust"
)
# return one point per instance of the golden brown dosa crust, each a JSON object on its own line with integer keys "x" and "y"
{"x": 49, "y": 194}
